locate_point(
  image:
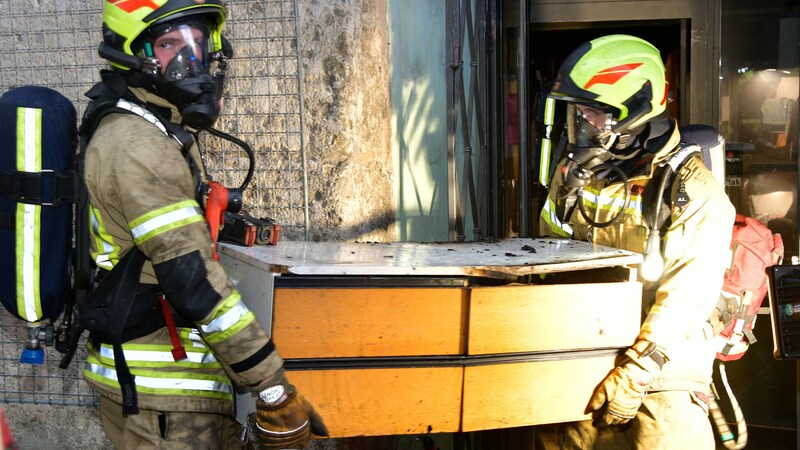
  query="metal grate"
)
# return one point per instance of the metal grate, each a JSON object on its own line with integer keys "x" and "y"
{"x": 54, "y": 43}
{"x": 264, "y": 103}
{"x": 44, "y": 384}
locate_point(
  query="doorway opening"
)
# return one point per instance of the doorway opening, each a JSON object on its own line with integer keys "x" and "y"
{"x": 548, "y": 44}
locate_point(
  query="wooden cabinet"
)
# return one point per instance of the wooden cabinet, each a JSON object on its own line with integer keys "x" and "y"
{"x": 455, "y": 337}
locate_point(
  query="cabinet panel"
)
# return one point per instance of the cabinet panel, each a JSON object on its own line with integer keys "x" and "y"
{"x": 530, "y": 393}
{"x": 364, "y": 402}
{"x": 532, "y": 318}
{"x": 369, "y": 322}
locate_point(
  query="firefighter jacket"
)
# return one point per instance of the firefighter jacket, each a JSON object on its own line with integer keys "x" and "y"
{"x": 695, "y": 246}
{"x": 142, "y": 192}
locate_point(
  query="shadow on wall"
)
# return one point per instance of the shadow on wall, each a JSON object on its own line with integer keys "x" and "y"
{"x": 372, "y": 229}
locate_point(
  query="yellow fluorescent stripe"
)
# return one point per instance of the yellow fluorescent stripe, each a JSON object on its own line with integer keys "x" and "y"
{"x": 549, "y": 216}
{"x": 155, "y": 360}
{"x": 158, "y": 355}
{"x": 28, "y": 217}
{"x": 590, "y": 198}
{"x": 245, "y": 320}
{"x": 230, "y": 317}
{"x": 549, "y": 110}
{"x": 161, "y": 211}
{"x": 171, "y": 226}
{"x": 544, "y": 162}
{"x": 164, "y": 219}
{"x": 107, "y": 254}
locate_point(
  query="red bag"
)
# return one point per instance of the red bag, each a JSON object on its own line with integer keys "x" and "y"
{"x": 754, "y": 248}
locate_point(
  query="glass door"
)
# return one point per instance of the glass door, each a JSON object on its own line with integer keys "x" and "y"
{"x": 759, "y": 81}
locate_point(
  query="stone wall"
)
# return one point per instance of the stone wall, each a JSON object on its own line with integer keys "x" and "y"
{"x": 346, "y": 91}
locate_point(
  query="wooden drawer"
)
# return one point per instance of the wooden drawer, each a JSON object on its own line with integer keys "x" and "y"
{"x": 364, "y": 402}
{"x": 532, "y": 318}
{"x": 369, "y": 322}
{"x": 531, "y": 393}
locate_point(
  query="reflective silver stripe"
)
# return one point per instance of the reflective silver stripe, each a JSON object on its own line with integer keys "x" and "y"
{"x": 103, "y": 261}
{"x": 225, "y": 321}
{"x": 282, "y": 433}
{"x": 143, "y": 113}
{"x": 107, "y": 351}
{"x": 613, "y": 202}
{"x": 195, "y": 338}
{"x": 183, "y": 384}
{"x": 676, "y": 159}
{"x": 146, "y": 115}
{"x": 163, "y": 220}
{"x": 30, "y": 261}
{"x": 103, "y": 258}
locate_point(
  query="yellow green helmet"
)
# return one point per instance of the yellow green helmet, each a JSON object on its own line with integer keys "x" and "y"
{"x": 620, "y": 71}
{"x": 125, "y": 21}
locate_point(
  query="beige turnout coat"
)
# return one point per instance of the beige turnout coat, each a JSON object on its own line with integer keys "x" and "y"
{"x": 141, "y": 192}
{"x": 696, "y": 252}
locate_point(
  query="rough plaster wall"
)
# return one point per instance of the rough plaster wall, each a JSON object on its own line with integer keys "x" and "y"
{"x": 347, "y": 112}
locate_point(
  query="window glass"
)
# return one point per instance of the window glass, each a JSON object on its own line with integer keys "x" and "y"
{"x": 759, "y": 81}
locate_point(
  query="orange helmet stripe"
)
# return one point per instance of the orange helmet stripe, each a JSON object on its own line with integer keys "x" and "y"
{"x": 612, "y": 74}
{"x": 130, "y": 6}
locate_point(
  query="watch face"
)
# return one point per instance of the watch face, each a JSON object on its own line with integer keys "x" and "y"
{"x": 272, "y": 394}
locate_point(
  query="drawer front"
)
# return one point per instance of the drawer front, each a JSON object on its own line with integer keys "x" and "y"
{"x": 532, "y": 318}
{"x": 375, "y": 402}
{"x": 364, "y": 322}
{"x": 531, "y": 393}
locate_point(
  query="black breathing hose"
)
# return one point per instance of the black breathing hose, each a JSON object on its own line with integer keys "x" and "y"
{"x": 247, "y": 149}
{"x": 627, "y": 201}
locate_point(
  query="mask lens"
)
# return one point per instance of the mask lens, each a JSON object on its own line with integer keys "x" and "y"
{"x": 184, "y": 64}
{"x": 601, "y": 120}
{"x": 586, "y": 124}
{"x": 181, "y": 51}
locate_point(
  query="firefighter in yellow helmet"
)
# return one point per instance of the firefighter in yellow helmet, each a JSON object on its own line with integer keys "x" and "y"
{"x": 162, "y": 386}
{"x": 608, "y": 190}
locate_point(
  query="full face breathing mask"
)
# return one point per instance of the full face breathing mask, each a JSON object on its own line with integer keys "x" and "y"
{"x": 590, "y": 141}
{"x": 590, "y": 149}
{"x": 192, "y": 79}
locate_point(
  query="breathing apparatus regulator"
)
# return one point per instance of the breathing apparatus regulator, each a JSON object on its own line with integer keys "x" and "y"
{"x": 613, "y": 86}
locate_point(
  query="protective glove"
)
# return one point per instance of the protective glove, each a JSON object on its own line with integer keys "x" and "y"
{"x": 283, "y": 418}
{"x": 623, "y": 390}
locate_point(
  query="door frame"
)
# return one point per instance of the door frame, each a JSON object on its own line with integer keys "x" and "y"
{"x": 700, "y": 35}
